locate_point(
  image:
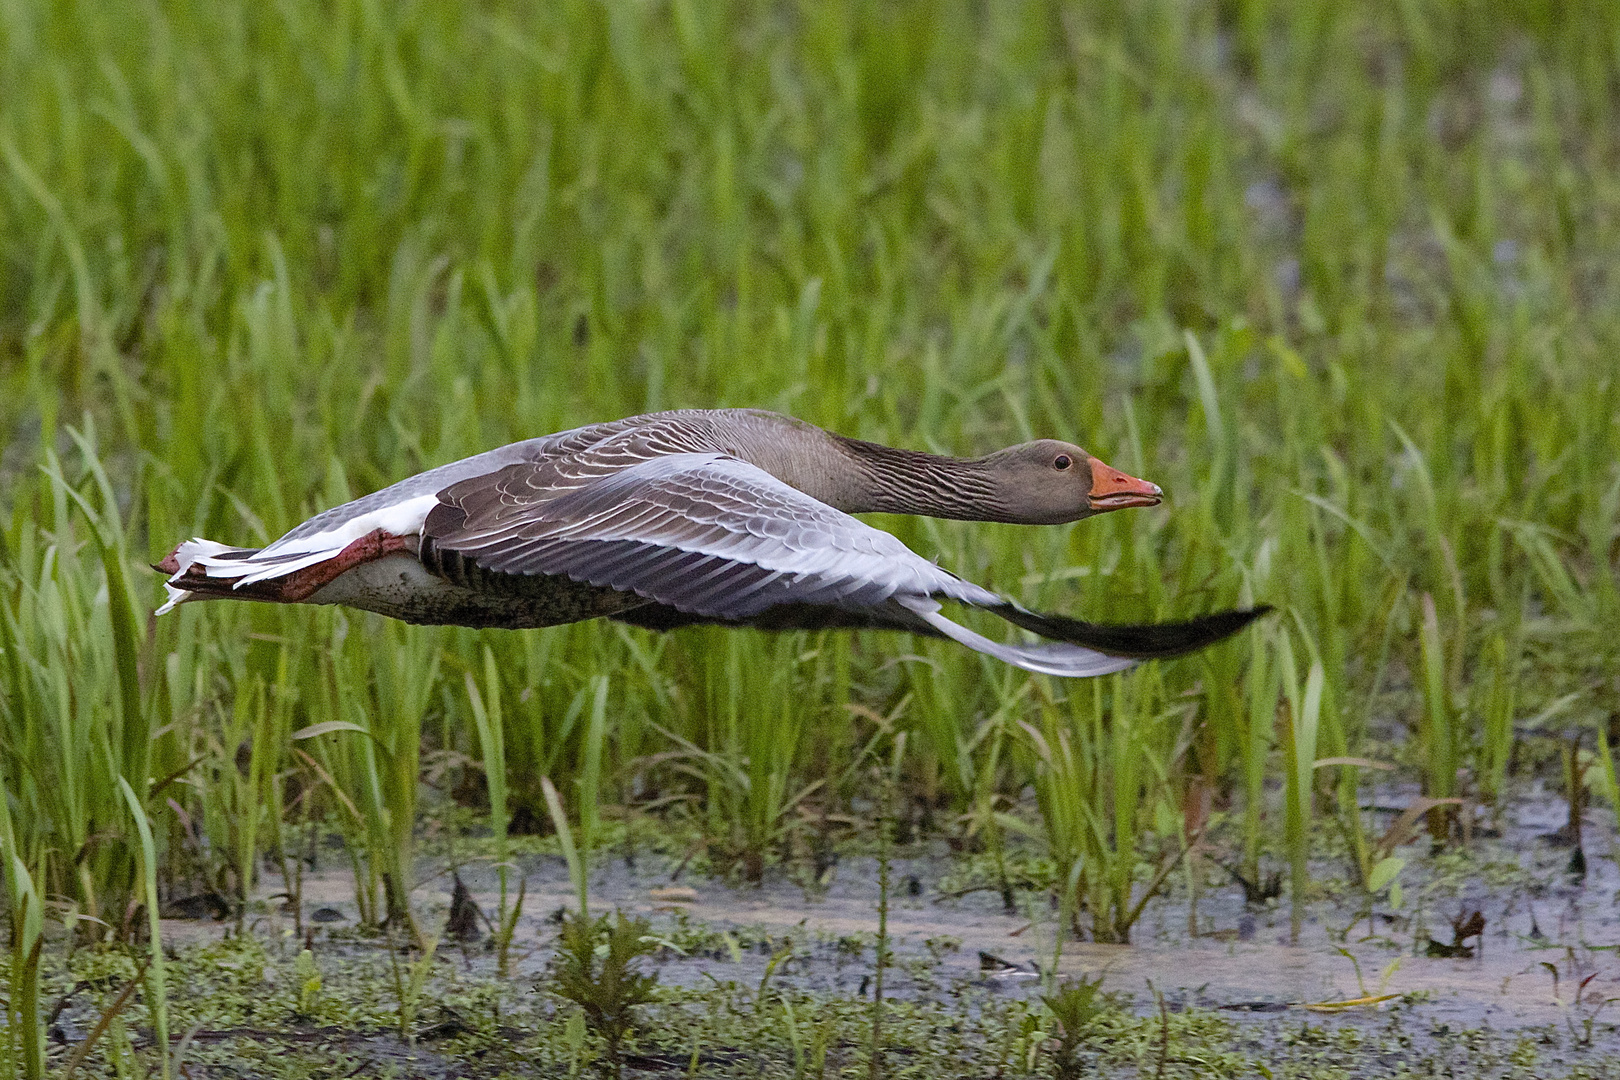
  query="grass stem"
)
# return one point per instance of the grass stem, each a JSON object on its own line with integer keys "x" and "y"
{"x": 156, "y": 990}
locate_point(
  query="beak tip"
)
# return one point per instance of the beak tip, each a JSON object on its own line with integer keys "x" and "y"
{"x": 1114, "y": 490}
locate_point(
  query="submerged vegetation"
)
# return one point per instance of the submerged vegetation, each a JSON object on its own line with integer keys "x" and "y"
{"x": 1341, "y": 277}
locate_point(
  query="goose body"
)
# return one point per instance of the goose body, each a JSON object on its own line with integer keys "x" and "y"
{"x": 730, "y": 516}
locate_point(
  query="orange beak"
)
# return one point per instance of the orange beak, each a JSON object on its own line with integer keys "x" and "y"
{"x": 1114, "y": 490}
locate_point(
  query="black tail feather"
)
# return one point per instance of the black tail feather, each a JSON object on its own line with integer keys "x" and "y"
{"x": 1143, "y": 642}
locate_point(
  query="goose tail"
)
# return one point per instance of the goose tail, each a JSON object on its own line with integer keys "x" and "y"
{"x": 194, "y": 553}
{"x": 200, "y": 569}
{"x": 1149, "y": 641}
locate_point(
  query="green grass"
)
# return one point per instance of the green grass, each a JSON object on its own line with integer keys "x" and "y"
{"x": 1339, "y": 277}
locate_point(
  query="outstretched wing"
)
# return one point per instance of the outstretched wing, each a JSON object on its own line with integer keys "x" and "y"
{"x": 701, "y": 532}
{"x": 716, "y": 539}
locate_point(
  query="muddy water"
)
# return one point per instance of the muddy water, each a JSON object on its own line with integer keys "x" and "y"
{"x": 1545, "y": 934}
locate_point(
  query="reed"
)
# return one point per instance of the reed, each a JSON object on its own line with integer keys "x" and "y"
{"x": 25, "y": 1035}
{"x": 1097, "y": 764}
{"x": 749, "y": 741}
{"x": 156, "y": 983}
{"x": 1437, "y": 734}
{"x": 1496, "y": 739}
{"x": 1263, "y": 687}
{"x": 578, "y": 864}
{"x": 1299, "y": 729}
{"x": 492, "y": 747}
{"x": 73, "y": 698}
{"x": 1608, "y": 778}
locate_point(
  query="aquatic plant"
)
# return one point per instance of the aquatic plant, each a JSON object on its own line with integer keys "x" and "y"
{"x": 1437, "y": 733}
{"x": 1299, "y": 729}
{"x": 24, "y": 1039}
{"x": 1075, "y": 1005}
{"x": 594, "y": 968}
{"x": 1096, "y": 768}
{"x": 156, "y": 986}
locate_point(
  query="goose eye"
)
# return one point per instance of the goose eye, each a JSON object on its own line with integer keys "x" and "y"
{"x": 1062, "y": 462}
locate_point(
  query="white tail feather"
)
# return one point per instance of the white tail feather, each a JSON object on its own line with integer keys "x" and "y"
{"x": 188, "y": 554}
{"x": 176, "y": 596}
{"x": 254, "y": 569}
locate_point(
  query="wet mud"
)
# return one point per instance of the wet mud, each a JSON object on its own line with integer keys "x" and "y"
{"x": 1544, "y": 971}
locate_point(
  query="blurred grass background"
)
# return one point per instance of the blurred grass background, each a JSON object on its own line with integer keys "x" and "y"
{"x": 1342, "y": 277}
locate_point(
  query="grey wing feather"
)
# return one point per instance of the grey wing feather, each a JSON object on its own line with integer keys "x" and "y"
{"x": 704, "y": 533}
{"x": 563, "y": 445}
{"x": 718, "y": 539}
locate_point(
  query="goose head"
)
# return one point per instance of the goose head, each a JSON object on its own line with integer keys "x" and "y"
{"x": 1048, "y": 482}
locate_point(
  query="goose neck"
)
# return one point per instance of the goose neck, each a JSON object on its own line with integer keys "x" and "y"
{"x": 887, "y": 480}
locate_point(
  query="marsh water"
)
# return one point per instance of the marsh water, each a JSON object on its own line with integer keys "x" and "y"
{"x": 1543, "y": 972}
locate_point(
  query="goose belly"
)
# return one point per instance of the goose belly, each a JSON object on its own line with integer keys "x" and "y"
{"x": 401, "y": 588}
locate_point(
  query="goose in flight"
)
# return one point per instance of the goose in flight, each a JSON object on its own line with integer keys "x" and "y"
{"x": 732, "y": 516}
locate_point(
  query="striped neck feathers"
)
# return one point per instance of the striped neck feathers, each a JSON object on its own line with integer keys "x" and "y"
{"x": 895, "y": 481}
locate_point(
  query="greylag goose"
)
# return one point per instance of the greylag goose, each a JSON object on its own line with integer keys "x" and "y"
{"x": 732, "y": 516}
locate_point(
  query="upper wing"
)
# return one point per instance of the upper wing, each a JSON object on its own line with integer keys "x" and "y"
{"x": 568, "y": 459}
{"x": 714, "y": 537}
{"x": 583, "y": 451}
{"x": 701, "y": 532}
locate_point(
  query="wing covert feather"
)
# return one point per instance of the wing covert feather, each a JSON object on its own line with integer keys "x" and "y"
{"x": 701, "y": 532}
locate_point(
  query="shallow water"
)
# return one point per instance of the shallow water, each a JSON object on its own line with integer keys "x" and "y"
{"x": 1545, "y": 933}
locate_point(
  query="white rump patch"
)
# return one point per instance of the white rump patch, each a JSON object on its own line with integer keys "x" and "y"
{"x": 291, "y": 554}
{"x": 401, "y": 519}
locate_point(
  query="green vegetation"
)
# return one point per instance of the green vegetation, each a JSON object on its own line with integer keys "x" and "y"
{"x": 245, "y": 995}
{"x": 605, "y": 989}
{"x": 1339, "y": 276}
{"x": 1076, "y": 1006}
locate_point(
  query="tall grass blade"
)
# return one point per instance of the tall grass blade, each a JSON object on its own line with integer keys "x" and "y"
{"x": 126, "y": 635}
{"x": 492, "y": 747}
{"x": 1438, "y": 737}
{"x": 1496, "y": 746}
{"x": 25, "y": 1034}
{"x": 1263, "y": 689}
{"x": 590, "y": 771}
{"x": 1299, "y": 745}
{"x": 1610, "y": 780}
{"x": 156, "y": 983}
{"x": 565, "y": 838}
